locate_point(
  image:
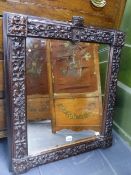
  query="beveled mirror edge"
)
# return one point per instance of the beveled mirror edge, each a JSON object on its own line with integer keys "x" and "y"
{"x": 16, "y": 28}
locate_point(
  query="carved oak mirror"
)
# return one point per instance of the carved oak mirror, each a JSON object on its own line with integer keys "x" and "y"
{"x": 61, "y": 82}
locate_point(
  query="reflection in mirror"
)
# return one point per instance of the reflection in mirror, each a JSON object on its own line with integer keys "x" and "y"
{"x": 65, "y": 86}
{"x": 103, "y": 62}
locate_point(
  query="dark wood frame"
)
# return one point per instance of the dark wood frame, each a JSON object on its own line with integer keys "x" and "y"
{"x": 16, "y": 28}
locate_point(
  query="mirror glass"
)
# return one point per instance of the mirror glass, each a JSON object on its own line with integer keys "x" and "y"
{"x": 65, "y": 86}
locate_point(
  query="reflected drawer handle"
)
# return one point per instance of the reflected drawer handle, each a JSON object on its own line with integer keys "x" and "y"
{"x": 98, "y": 3}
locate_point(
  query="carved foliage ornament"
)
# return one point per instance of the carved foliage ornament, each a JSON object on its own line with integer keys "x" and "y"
{"x": 16, "y": 29}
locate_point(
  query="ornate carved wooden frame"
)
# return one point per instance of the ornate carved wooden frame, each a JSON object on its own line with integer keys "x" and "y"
{"x": 16, "y": 28}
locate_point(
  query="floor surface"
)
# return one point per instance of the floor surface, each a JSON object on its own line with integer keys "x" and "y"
{"x": 115, "y": 160}
{"x": 39, "y": 130}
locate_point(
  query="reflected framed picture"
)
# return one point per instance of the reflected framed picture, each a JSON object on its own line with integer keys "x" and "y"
{"x": 61, "y": 80}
